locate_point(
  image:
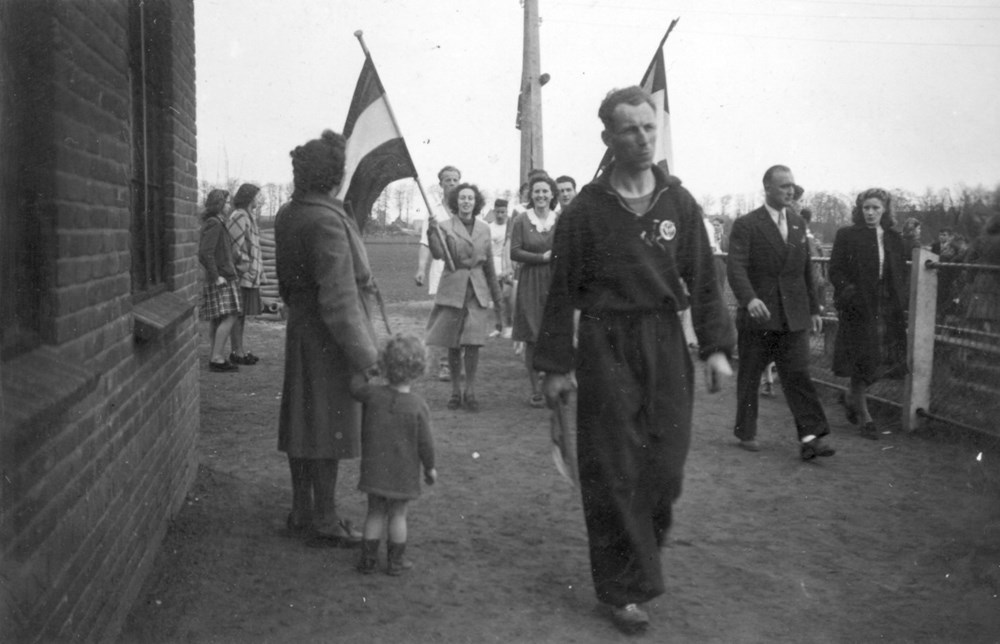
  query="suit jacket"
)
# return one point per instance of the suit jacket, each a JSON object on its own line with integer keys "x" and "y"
{"x": 473, "y": 259}
{"x": 778, "y": 272}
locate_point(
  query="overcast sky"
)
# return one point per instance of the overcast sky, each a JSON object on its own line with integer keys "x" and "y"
{"x": 849, "y": 94}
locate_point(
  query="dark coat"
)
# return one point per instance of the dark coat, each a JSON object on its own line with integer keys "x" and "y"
{"x": 215, "y": 250}
{"x": 323, "y": 278}
{"x": 860, "y": 349}
{"x": 762, "y": 265}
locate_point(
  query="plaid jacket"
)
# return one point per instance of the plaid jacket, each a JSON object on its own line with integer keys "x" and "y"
{"x": 245, "y": 236}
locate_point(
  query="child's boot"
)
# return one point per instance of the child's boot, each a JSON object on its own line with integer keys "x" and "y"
{"x": 397, "y": 565}
{"x": 368, "y": 561}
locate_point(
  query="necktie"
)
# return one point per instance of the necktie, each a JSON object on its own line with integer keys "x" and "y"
{"x": 783, "y": 225}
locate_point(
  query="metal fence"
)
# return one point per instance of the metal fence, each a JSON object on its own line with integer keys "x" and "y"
{"x": 954, "y": 346}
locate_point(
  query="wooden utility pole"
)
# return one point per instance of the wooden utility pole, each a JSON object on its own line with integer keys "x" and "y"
{"x": 530, "y": 102}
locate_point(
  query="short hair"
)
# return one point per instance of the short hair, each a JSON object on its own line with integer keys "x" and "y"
{"x": 633, "y": 95}
{"x": 797, "y": 191}
{"x": 772, "y": 170}
{"x": 500, "y": 203}
{"x": 402, "y": 359}
{"x": 453, "y": 198}
{"x": 946, "y": 231}
{"x": 215, "y": 201}
{"x": 552, "y": 188}
{"x": 449, "y": 168}
{"x": 566, "y": 179}
{"x": 318, "y": 165}
{"x": 858, "y": 216}
{"x": 245, "y": 195}
{"x": 806, "y": 213}
{"x": 910, "y": 225}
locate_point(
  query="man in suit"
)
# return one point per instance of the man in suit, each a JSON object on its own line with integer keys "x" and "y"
{"x": 770, "y": 273}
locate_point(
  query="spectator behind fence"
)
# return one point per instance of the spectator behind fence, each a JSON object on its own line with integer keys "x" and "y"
{"x": 220, "y": 293}
{"x": 982, "y": 296}
{"x": 324, "y": 279}
{"x": 867, "y": 269}
{"x": 911, "y": 236}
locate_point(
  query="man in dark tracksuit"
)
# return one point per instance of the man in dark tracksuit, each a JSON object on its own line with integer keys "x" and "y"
{"x": 627, "y": 252}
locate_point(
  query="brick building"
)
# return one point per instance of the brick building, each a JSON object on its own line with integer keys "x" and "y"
{"x": 98, "y": 283}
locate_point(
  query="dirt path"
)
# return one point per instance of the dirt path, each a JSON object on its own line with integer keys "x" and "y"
{"x": 895, "y": 541}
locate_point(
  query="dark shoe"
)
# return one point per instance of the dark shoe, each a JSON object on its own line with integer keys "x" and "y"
{"x": 750, "y": 445}
{"x": 397, "y": 564}
{"x": 343, "y": 536}
{"x": 222, "y": 367}
{"x": 870, "y": 431}
{"x": 298, "y": 528}
{"x": 630, "y": 619}
{"x": 815, "y": 447}
{"x": 247, "y": 359}
{"x": 368, "y": 561}
{"x": 455, "y": 402}
{"x": 851, "y": 414}
{"x": 471, "y": 404}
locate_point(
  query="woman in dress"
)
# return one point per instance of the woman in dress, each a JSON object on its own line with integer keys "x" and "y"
{"x": 220, "y": 294}
{"x": 531, "y": 236}
{"x": 245, "y": 235}
{"x": 868, "y": 273}
{"x": 460, "y": 316}
{"x": 324, "y": 280}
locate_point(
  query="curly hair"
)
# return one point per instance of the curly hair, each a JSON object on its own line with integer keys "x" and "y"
{"x": 402, "y": 359}
{"x": 910, "y": 227}
{"x": 453, "y": 198}
{"x": 215, "y": 202}
{"x": 858, "y": 216}
{"x": 552, "y": 188}
{"x": 318, "y": 166}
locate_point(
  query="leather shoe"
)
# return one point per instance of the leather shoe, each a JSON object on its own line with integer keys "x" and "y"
{"x": 629, "y": 618}
{"x": 870, "y": 431}
{"x": 750, "y": 445}
{"x": 816, "y": 447}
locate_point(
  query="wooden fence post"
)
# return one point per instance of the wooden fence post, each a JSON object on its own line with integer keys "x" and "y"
{"x": 920, "y": 337}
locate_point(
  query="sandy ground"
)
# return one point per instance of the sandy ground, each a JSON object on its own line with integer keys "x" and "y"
{"x": 895, "y": 541}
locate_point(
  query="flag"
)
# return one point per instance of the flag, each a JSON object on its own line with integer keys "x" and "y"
{"x": 654, "y": 81}
{"x": 376, "y": 152}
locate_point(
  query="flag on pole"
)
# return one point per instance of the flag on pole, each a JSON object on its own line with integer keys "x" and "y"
{"x": 376, "y": 152}
{"x": 654, "y": 81}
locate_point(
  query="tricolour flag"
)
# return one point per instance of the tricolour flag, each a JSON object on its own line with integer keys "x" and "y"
{"x": 376, "y": 152}
{"x": 654, "y": 81}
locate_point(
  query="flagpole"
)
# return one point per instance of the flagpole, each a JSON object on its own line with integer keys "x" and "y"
{"x": 449, "y": 263}
{"x": 652, "y": 63}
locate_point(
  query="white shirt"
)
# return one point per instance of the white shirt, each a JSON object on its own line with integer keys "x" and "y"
{"x": 780, "y": 219}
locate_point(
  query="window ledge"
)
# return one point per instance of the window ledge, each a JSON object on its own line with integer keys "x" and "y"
{"x": 159, "y": 315}
{"x": 40, "y": 385}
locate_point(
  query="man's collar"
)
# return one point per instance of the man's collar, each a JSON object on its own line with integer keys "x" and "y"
{"x": 660, "y": 178}
{"x": 773, "y": 211}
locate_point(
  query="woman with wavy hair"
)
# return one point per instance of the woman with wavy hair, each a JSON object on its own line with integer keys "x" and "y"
{"x": 324, "y": 280}
{"x": 531, "y": 235}
{"x": 220, "y": 293}
{"x": 460, "y": 318}
{"x": 868, "y": 273}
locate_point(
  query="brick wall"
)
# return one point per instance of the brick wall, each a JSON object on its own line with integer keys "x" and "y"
{"x": 98, "y": 441}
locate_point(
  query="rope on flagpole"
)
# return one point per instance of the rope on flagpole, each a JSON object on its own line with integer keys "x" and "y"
{"x": 448, "y": 261}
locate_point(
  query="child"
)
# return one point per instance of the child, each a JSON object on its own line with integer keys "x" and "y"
{"x": 395, "y": 441}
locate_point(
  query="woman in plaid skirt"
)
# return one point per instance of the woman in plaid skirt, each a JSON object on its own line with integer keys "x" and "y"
{"x": 220, "y": 294}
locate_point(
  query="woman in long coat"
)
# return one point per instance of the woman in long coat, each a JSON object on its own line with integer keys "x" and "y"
{"x": 868, "y": 273}
{"x": 531, "y": 235}
{"x": 460, "y": 316}
{"x": 324, "y": 279}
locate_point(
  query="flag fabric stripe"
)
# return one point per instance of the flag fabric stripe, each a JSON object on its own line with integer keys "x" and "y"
{"x": 376, "y": 154}
{"x": 655, "y": 82}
